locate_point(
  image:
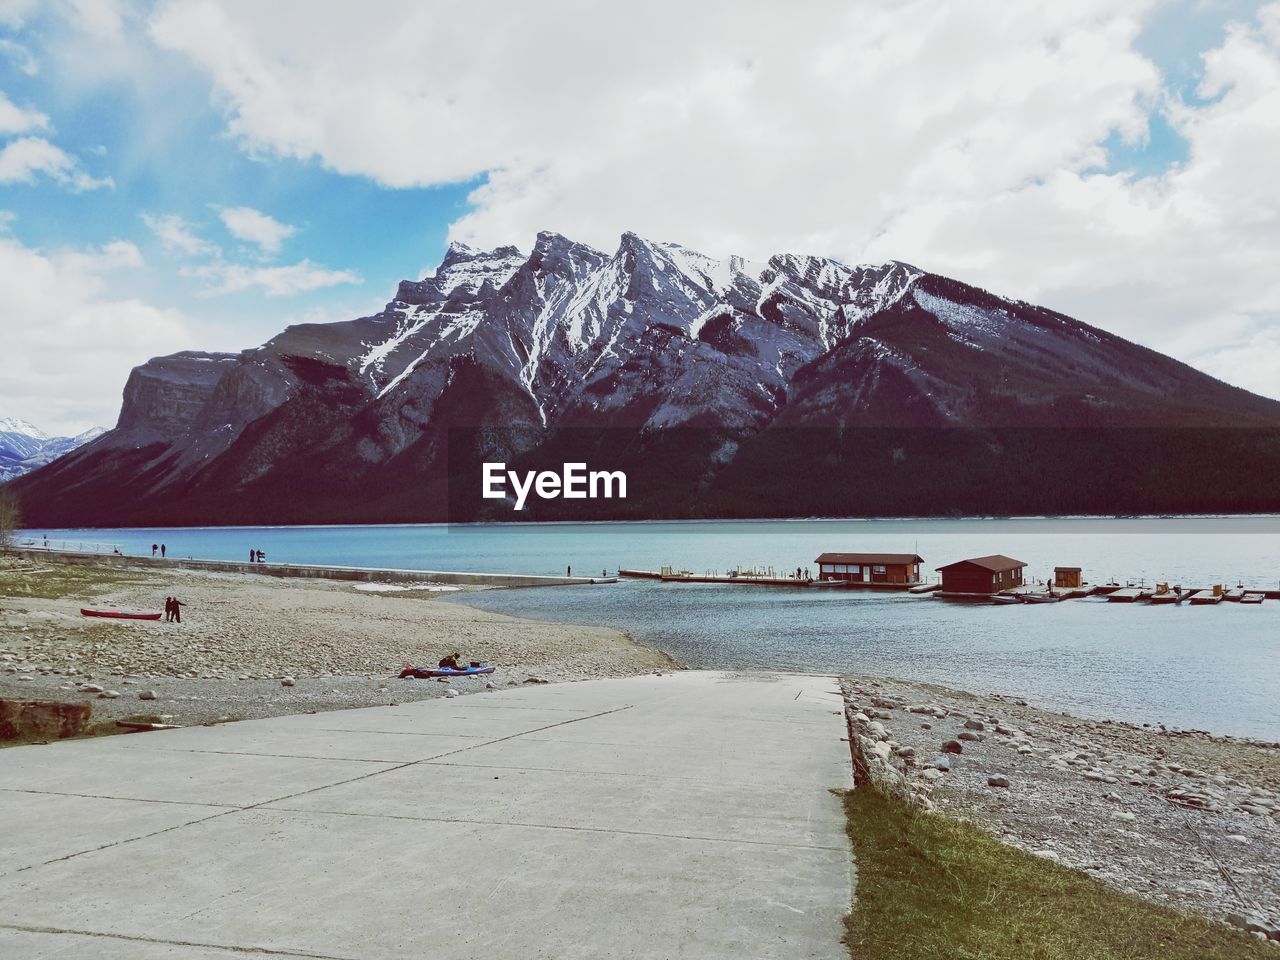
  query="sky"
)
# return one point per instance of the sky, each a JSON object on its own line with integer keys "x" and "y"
{"x": 198, "y": 174}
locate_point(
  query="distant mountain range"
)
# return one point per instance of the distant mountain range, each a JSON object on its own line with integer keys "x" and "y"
{"x": 24, "y": 447}
{"x": 792, "y": 387}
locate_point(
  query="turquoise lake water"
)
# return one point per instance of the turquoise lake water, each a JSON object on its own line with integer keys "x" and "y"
{"x": 1215, "y": 668}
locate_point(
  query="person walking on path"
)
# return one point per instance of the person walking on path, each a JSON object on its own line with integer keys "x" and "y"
{"x": 162, "y": 551}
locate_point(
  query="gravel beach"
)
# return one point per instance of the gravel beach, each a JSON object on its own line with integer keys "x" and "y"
{"x": 243, "y": 638}
{"x": 1181, "y": 817}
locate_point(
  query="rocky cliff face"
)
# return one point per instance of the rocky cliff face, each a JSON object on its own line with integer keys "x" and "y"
{"x": 715, "y": 367}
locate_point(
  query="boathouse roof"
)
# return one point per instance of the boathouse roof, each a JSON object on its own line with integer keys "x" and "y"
{"x": 996, "y": 563}
{"x": 872, "y": 558}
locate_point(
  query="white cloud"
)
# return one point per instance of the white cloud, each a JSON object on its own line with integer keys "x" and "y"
{"x": 16, "y": 119}
{"x": 20, "y": 56}
{"x": 177, "y": 235}
{"x": 68, "y": 344}
{"x": 254, "y": 226}
{"x": 103, "y": 19}
{"x": 301, "y": 277}
{"x": 13, "y": 13}
{"x": 24, "y": 159}
{"x": 967, "y": 138}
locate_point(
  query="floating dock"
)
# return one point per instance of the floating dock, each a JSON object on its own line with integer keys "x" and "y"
{"x": 755, "y": 580}
{"x": 1130, "y": 594}
{"x": 1156, "y": 594}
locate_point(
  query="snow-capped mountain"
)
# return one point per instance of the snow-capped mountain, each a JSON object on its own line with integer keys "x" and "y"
{"x": 707, "y": 373}
{"x": 24, "y": 447}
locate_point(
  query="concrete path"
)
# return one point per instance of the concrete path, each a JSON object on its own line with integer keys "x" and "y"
{"x": 682, "y": 816}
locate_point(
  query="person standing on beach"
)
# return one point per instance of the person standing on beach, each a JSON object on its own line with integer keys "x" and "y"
{"x": 154, "y": 548}
{"x": 162, "y": 551}
{"x": 168, "y": 609}
{"x": 568, "y": 571}
{"x": 177, "y": 610}
{"x": 251, "y": 554}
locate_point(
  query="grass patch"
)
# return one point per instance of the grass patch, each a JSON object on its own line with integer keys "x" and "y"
{"x": 930, "y": 887}
{"x": 57, "y": 581}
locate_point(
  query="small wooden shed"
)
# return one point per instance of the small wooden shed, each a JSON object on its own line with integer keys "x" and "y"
{"x": 1068, "y": 578}
{"x": 982, "y": 574}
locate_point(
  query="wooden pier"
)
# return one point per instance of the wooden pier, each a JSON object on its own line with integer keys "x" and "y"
{"x": 1130, "y": 594}
{"x": 1156, "y": 594}
{"x": 747, "y": 579}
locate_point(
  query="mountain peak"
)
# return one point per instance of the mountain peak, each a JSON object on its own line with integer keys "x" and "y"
{"x": 651, "y": 337}
{"x": 15, "y": 425}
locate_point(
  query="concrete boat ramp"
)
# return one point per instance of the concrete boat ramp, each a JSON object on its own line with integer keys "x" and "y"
{"x": 680, "y": 816}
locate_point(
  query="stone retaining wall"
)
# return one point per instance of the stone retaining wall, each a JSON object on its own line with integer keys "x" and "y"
{"x": 38, "y": 719}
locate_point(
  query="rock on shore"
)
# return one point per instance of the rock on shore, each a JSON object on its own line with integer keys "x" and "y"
{"x": 1186, "y": 819}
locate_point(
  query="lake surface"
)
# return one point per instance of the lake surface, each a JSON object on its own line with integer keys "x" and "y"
{"x": 1215, "y": 668}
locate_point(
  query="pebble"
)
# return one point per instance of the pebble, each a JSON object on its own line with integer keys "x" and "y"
{"x": 941, "y": 763}
{"x": 287, "y": 681}
{"x": 147, "y": 695}
{"x": 109, "y": 695}
{"x": 974, "y": 725}
{"x": 451, "y": 693}
{"x": 971, "y": 736}
{"x": 90, "y": 688}
{"x": 997, "y": 781}
{"x": 952, "y": 746}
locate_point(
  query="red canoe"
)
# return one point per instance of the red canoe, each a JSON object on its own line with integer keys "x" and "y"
{"x": 119, "y": 614}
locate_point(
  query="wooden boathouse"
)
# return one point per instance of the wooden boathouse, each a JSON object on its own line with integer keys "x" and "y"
{"x": 982, "y": 574}
{"x": 870, "y": 569}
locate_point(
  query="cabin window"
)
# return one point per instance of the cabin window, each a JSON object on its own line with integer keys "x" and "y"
{"x": 842, "y": 568}
{"x": 878, "y": 569}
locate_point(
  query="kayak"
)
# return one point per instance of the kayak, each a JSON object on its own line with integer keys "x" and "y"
{"x": 426, "y": 673}
{"x": 119, "y": 614}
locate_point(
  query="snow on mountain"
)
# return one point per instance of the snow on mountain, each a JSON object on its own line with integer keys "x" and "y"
{"x": 24, "y": 447}
{"x": 353, "y": 419}
{"x": 21, "y": 427}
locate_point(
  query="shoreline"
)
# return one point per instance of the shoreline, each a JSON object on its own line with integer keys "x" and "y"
{"x": 994, "y": 518}
{"x": 1182, "y": 817}
{"x": 1187, "y": 819}
{"x": 253, "y": 646}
